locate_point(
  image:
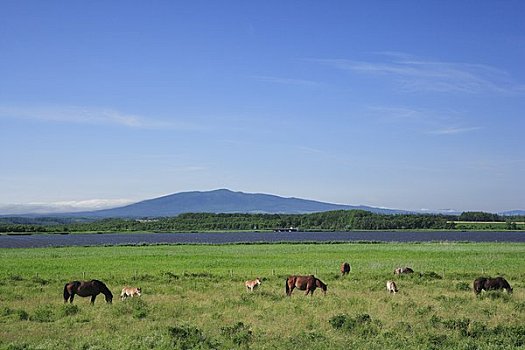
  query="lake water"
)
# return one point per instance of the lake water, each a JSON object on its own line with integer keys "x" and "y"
{"x": 57, "y": 240}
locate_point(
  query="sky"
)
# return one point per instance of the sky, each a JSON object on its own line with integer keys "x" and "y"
{"x": 398, "y": 104}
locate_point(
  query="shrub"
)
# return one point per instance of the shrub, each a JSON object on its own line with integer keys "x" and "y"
{"x": 361, "y": 324}
{"x": 188, "y": 337}
{"x": 136, "y": 307}
{"x": 40, "y": 280}
{"x": 463, "y": 286}
{"x": 44, "y": 313}
{"x": 22, "y": 315}
{"x": 69, "y": 310}
{"x": 239, "y": 333}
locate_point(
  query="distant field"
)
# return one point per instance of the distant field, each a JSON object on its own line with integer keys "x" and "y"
{"x": 488, "y": 225}
{"x": 194, "y": 297}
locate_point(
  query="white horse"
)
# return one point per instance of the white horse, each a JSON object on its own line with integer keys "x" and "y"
{"x": 130, "y": 292}
{"x": 251, "y": 285}
{"x": 391, "y": 287}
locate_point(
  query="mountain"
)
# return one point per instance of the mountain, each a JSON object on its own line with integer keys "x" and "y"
{"x": 513, "y": 213}
{"x": 223, "y": 201}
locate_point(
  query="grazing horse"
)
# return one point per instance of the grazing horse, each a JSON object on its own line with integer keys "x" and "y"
{"x": 401, "y": 270}
{"x": 308, "y": 283}
{"x": 86, "y": 289}
{"x": 484, "y": 283}
{"x": 391, "y": 287}
{"x": 251, "y": 285}
{"x": 130, "y": 292}
{"x": 345, "y": 268}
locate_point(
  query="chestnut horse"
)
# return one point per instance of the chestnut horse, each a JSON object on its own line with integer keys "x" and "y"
{"x": 484, "y": 283}
{"x": 86, "y": 289}
{"x": 308, "y": 283}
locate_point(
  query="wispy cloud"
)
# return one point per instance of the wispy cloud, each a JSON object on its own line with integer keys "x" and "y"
{"x": 90, "y": 115}
{"x": 454, "y": 130}
{"x": 428, "y": 121}
{"x": 285, "y": 81}
{"x": 415, "y": 74}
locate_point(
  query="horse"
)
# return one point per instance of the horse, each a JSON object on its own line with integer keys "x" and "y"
{"x": 391, "y": 287}
{"x": 401, "y": 270}
{"x": 345, "y": 268}
{"x": 308, "y": 283}
{"x": 85, "y": 289}
{"x": 488, "y": 283}
{"x": 130, "y": 292}
{"x": 251, "y": 285}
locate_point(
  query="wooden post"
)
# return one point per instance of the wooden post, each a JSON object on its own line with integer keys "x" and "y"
{"x": 83, "y": 275}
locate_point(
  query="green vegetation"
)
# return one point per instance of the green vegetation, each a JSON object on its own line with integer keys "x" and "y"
{"x": 341, "y": 220}
{"x": 194, "y": 297}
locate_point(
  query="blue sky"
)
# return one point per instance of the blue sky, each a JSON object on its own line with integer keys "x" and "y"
{"x": 400, "y": 104}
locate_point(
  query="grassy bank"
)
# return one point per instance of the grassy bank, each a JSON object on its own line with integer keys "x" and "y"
{"x": 194, "y": 297}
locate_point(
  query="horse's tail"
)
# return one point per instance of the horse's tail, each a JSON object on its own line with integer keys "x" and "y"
{"x": 66, "y": 293}
{"x": 287, "y": 287}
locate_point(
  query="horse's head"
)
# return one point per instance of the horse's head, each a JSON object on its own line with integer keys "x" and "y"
{"x": 321, "y": 285}
{"x": 108, "y": 295}
{"x": 139, "y": 291}
{"x": 258, "y": 281}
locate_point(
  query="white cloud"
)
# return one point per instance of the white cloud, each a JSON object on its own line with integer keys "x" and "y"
{"x": 62, "y": 206}
{"x": 285, "y": 81}
{"x": 426, "y": 75}
{"x": 426, "y": 120}
{"x": 454, "y": 130}
{"x": 90, "y": 115}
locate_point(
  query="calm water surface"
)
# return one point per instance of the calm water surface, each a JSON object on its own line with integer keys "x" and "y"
{"x": 56, "y": 240}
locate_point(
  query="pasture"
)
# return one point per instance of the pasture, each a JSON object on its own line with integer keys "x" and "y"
{"x": 193, "y": 296}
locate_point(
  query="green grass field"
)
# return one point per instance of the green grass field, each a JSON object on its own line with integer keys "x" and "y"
{"x": 194, "y": 297}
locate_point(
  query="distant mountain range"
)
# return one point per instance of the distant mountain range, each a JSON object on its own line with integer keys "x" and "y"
{"x": 223, "y": 201}
{"x": 226, "y": 201}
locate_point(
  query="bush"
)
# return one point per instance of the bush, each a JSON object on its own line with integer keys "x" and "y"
{"x": 463, "y": 286}
{"x": 361, "y": 324}
{"x": 44, "y": 313}
{"x": 239, "y": 333}
{"x": 69, "y": 310}
{"x": 188, "y": 337}
{"x": 22, "y": 315}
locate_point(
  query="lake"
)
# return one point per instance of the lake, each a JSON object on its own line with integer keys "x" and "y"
{"x": 57, "y": 240}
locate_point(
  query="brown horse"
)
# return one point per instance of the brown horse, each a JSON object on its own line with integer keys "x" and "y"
{"x": 345, "y": 268}
{"x": 86, "y": 289}
{"x": 484, "y": 283}
{"x": 308, "y": 283}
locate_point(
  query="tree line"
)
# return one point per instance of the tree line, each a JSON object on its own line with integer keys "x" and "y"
{"x": 340, "y": 220}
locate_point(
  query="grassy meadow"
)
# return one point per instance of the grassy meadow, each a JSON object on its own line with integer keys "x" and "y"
{"x": 194, "y": 297}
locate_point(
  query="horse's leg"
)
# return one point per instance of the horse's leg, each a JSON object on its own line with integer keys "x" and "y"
{"x": 291, "y": 289}
{"x": 71, "y": 297}
{"x": 93, "y": 297}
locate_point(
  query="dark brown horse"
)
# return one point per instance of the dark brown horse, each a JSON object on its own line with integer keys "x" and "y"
{"x": 308, "y": 283}
{"x": 484, "y": 283}
{"x": 345, "y": 268}
{"x": 86, "y": 289}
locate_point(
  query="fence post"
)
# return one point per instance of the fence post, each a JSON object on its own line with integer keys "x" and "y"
{"x": 83, "y": 275}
